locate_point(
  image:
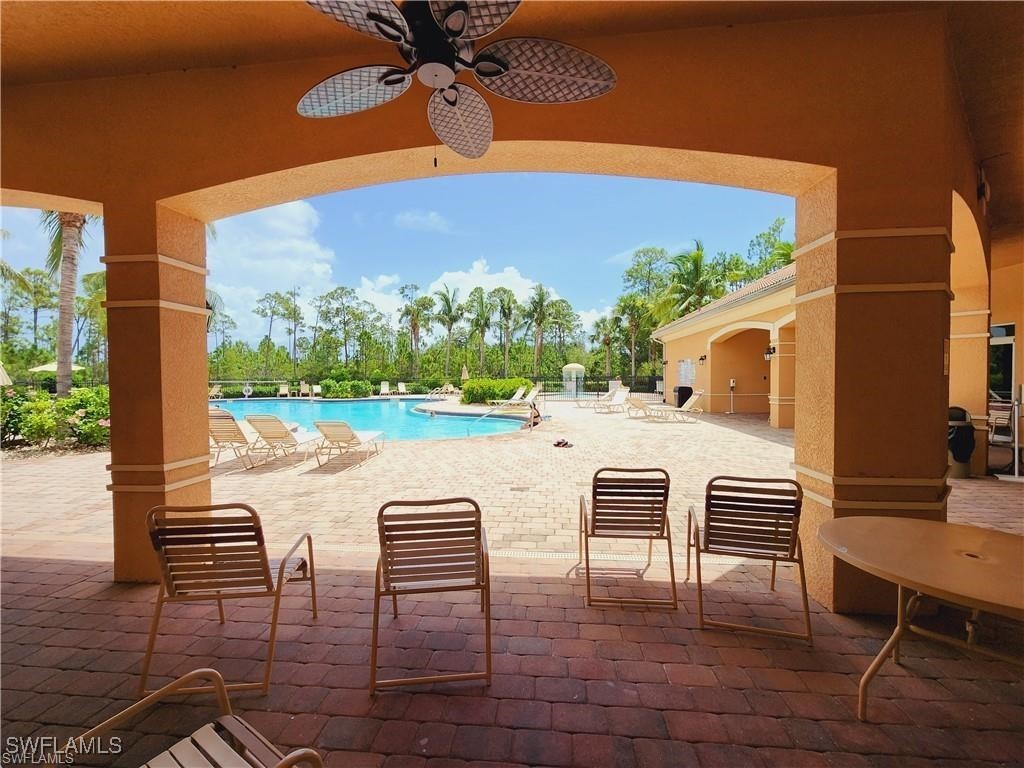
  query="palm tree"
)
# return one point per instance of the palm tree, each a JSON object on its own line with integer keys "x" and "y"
{"x": 9, "y": 274}
{"x": 538, "y": 310}
{"x": 481, "y": 310}
{"x": 563, "y": 322}
{"x": 606, "y": 329}
{"x": 417, "y": 311}
{"x": 508, "y": 308}
{"x": 632, "y": 309}
{"x": 64, "y": 230}
{"x": 693, "y": 282}
{"x": 449, "y": 314}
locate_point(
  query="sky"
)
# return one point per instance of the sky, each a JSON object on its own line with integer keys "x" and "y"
{"x": 574, "y": 233}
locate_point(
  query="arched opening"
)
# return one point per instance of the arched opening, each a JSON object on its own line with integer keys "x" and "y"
{"x": 738, "y": 373}
{"x": 969, "y": 315}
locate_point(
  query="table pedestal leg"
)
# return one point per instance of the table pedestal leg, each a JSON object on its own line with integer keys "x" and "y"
{"x": 890, "y": 645}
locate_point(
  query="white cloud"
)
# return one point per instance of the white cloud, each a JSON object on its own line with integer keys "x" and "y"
{"x": 423, "y": 221}
{"x": 274, "y": 249}
{"x": 382, "y": 292}
{"x": 480, "y": 275}
{"x": 27, "y": 243}
{"x": 589, "y": 316}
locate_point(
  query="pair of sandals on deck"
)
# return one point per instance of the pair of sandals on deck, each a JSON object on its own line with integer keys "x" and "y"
{"x": 562, "y": 443}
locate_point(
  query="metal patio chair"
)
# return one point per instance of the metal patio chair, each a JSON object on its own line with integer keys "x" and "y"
{"x": 442, "y": 547}
{"x": 216, "y": 552}
{"x": 752, "y": 518}
{"x": 628, "y": 504}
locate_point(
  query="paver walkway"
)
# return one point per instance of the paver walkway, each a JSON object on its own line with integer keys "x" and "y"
{"x": 573, "y": 686}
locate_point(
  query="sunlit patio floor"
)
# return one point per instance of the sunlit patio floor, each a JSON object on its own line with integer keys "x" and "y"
{"x": 573, "y": 686}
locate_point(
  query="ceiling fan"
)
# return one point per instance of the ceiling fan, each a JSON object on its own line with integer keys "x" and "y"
{"x": 436, "y": 41}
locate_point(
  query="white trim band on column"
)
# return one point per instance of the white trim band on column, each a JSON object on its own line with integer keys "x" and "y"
{"x": 936, "y": 482}
{"x": 879, "y": 288}
{"x": 205, "y": 458}
{"x": 159, "y": 487}
{"x": 158, "y": 258}
{"x": 158, "y": 304}
{"x": 896, "y": 506}
{"x": 954, "y": 336}
{"x": 969, "y": 312}
{"x": 861, "y": 234}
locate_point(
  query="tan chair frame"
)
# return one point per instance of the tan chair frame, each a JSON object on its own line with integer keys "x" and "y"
{"x": 432, "y": 526}
{"x": 331, "y": 443}
{"x": 236, "y": 530}
{"x": 588, "y": 530}
{"x": 237, "y": 442}
{"x": 259, "y": 753}
{"x": 793, "y": 553}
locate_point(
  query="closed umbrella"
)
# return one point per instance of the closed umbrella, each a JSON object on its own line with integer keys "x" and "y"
{"x": 52, "y": 368}
{"x": 465, "y": 373}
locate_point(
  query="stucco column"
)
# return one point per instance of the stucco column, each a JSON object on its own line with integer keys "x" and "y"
{"x": 872, "y": 309}
{"x": 783, "y": 377}
{"x": 156, "y": 320}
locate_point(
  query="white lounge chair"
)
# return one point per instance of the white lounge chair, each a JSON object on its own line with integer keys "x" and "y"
{"x": 385, "y": 389}
{"x": 304, "y": 390}
{"x": 226, "y": 433}
{"x": 617, "y": 403}
{"x": 316, "y": 391}
{"x": 340, "y": 438}
{"x": 275, "y": 439}
{"x": 283, "y": 390}
{"x": 591, "y": 402}
{"x": 401, "y": 388}
{"x": 215, "y": 393}
{"x": 685, "y": 412}
{"x": 524, "y": 402}
{"x": 516, "y": 397}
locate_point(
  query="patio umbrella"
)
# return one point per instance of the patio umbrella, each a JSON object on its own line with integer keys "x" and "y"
{"x": 465, "y": 373}
{"x": 5, "y": 380}
{"x": 52, "y": 368}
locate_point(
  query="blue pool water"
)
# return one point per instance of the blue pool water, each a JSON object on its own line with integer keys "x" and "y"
{"x": 395, "y": 418}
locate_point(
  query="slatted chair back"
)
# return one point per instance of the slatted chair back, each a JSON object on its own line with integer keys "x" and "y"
{"x": 752, "y": 516}
{"x": 430, "y": 545}
{"x": 224, "y": 430}
{"x": 214, "y": 550}
{"x": 629, "y": 503}
{"x": 272, "y": 430}
{"x": 337, "y": 432}
{"x": 691, "y": 401}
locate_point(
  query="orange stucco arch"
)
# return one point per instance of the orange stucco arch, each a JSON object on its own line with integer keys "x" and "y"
{"x": 172, "y": 136}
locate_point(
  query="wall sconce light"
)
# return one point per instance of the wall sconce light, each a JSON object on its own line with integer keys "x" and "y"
{"x": 702, "y": 359}
{"x": 768, "y": 352}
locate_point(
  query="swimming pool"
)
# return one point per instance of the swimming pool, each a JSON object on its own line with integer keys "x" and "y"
{"x": 395, "y": 418}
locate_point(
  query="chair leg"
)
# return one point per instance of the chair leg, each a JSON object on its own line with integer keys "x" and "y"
{"x": 152, "y": 639}
{"x": 486, "y": 592}
{"x": 671, "y": 568}
{"x": 312, "y": 573}
{"x": 220, "y": 610}
{"x": 586, "y": 565}
{"x": 700, "y": 590}
{"x": 273, "y": 640}
{"x": 394, "y": 605}
{"x": 803, "y": 592}
{"x": 689, "y": 544}
{"x": 775, "y": 563}
{"x": 374, "y": 631}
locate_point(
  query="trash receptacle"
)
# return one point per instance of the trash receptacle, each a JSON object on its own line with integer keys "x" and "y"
{"x": 961, "y": 442}
{"x": 682, "y": 395}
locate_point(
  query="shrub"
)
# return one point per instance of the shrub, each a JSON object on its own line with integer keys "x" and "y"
{"x": 38, "y": 419}
{"x": 482, "y": 390}
{"x": 85, "y": 415}
{"x": 11, "y": 400}
{"x": 361, "y": 388}
{"x": 418, "y": 389}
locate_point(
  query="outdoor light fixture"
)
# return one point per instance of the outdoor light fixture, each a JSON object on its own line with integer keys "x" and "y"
{"x": 768, "y": 352}
{"x": 702, "y": 359}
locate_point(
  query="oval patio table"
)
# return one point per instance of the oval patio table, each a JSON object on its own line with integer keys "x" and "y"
{"x": 977, "y": 568}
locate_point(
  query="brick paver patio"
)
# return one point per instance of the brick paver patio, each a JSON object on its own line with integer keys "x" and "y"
{"x": 573, "y": 686}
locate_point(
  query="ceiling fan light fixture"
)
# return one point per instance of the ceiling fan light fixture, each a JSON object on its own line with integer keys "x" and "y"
{"x": 486, "y": 66}
{"x": 456, "y": 19}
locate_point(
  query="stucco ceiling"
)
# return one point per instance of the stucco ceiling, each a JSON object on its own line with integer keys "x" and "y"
{"x": 61, "y": 40}
{"x": 47, "y": 41}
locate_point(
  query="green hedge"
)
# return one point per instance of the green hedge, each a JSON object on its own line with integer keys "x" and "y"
{"x": 482, "y": 390}
{"x": 345, "y": 389}
{"x": 37, "y": 417}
